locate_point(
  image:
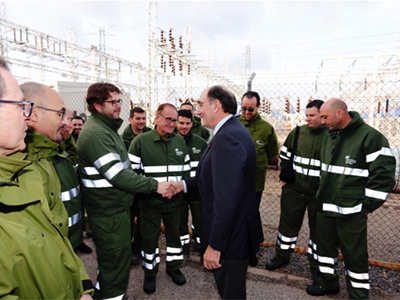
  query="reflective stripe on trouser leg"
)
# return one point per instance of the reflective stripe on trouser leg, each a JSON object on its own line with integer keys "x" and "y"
{"x": 195, "y": 209}
{"x": 293, "y": 207}
{"x": 150, "y": 222}
{"x": 112, "y": 237}
{"x": 174, "y": 249}
{"x": 183, "y": 227}
{"x": 312, "y": 224}
{"x": 352, "y": 232}
{"x": 327, "y": 250}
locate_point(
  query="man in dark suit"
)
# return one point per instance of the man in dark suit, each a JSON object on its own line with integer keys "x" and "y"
{"x": 231, "y": 226}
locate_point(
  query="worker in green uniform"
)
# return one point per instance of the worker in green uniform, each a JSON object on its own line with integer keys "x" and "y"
{"x": 197, "y": 128}
{"x": 108, "y": 188}
{"x": 42, "y": 140}
{"x": 163, "y": 155}
{"x": 357, "y": 175}
{"x": 137, "y": 125}
{"x": 36, "y": 259}
{"x": 195, "y": 145}
{"x": 300, "y": 195}
{"x": 66, "y": 167}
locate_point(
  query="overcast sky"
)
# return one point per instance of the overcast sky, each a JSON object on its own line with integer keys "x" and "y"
{"x": 284, "y": 36}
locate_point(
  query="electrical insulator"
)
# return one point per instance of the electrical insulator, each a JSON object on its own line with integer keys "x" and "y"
{"x": 170, "y": 34}
{"x": 180, "y": 66}
{"x": 162, "y": 61}
{"x": 20, "y": 35}
{"x": 188, "y": 69}
{"x": 162, "y": 36}
{"x": 298, "y": 104}
{"x": 287, "y": 106}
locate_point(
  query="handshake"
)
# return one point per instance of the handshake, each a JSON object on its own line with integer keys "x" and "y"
{"x": 170, "y": 188}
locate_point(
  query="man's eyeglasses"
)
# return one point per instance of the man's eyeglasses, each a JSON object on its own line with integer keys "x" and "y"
{"x": 114, "y": 103}
{"x": 169, "y": 120}
{"x": 61, "y": 113}
{"x": 26, "y": 106}
{"x": 249, "y": 109}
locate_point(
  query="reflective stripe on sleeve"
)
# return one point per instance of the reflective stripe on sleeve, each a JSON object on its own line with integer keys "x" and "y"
{"x": 135, "y": 159}
{"x": 74, "y": 219}
{"x": 68, "y": 195}
{"x": 105, "y": 159}
{"x": 341, "y": 210}
{"x": 100, "y": 183}
{"x": 384, "y": 151}
{"x": 376, "y": 194}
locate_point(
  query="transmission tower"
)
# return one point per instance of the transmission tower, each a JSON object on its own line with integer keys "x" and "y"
{"x": 248, "y": 62}
{"x": 187, "y": 49}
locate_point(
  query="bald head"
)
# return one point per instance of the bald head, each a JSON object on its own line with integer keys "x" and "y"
{"x": 334, "y": 114}
{"x": 47, "y": 114}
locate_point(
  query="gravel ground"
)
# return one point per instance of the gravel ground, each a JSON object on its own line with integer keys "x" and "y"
{"x": 289, "y": 282}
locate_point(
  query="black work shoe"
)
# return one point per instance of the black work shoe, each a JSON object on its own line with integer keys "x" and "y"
{"x": 85, "y": 248}
{"x": 177, "y": 277}
{"x": 253, "y": 260}
{"x": 149, "y": 285}
{"x": 275, "y": 264}
{"x": 318, "y": 290}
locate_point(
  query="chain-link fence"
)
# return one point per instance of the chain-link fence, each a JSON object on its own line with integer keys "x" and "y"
{"x": 283, "y": 105}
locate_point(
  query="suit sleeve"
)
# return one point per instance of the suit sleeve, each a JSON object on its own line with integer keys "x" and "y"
{"x": 228, "y": 163}
{"x": 381, "y": 170}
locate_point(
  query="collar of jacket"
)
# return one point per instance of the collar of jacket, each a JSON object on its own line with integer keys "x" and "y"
{"x": 113, "y": 124}
{"x": 251, "y": 121}
{"x": 39, "y": 145}
{"x": 157, "y": 136}
{"x": 12, "y": 164}
{"x": 356, "y": 121}
{"x": 318, "y": 130}
{"x": 196, "y": 121}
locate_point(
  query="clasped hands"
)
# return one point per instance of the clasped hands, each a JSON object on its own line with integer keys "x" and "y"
{"x": 170, "y": 188}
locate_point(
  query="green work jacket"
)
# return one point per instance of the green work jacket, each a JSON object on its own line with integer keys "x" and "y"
{"x": 128, "y": 135}
{"x": 307, "y": 163}
{"x": 108, "y": 182}
{"x": 357, "y": 170}
{"x": 39, "y": 149}
{"x": 70, "y": 196}
{"x": 36, "y": 259}
{"x": 198, "y": 129}
{"x": 164, "y": 160}
{"x": 266, "y": 143}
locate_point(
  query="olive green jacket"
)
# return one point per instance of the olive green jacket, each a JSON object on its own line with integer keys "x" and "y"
{"x": 266, "y": 143}
{"x": 36, "y": 259}
{"x": 198, "y": 129}
{"x": 39, "y": 149}
{"x": 128, "y": 135}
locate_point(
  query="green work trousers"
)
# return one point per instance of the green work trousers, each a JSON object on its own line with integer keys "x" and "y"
{"x": 293, "y": 208}
{"x": 350, "y": 235}
{"x": 150, "y": 223}
{"x": 195, "y": 208}
{"x": 112, "y": 237}
{"x": 137, "y": 238}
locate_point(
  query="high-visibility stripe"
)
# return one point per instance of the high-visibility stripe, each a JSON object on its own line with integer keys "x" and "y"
{"x": 68, "y": 195}
{"x": 174, "y": 250}
{"x": 359, "y": 285}
{"x": 74, "y": 219}
{"x": 152, "y": 255}
{"x": 184, "y": 237}
{"x": 285, "y": 246}
{"x": 376, "y": 194}
{"x": 120, "y": 297}
{"x": 187, "y": 167}
{"x": 155, "y": 169}
{"x": 174, "y": 257}
{"x": 193, "y": 227}
{"x": 89, "y": 171}
{"x": 384, "y": 151}
{"x": 198, "y": 240}
{"x": 114, "y": 170}
{"x": 135, "y": 159}
{"x": 326, "y": 270}
{"x": 359, "y": 276}
{"x": 286, "y": 238}
{"x": 175, "y": 168}
{"x": 192, "y": 173}
{"x": 284, "y": 157}
{"x": 345, "y": 170}
{"x": 327, "y": 260}
{"x": 136, "y": 166}
{"x": 100, "y": 183}
{"x": 194, "y": 164}
{"x": 342, "y": 210}
{"x": 315, "y": 162}
{"x": 187, "y": 158}
{"x": 161, "y": 179}
{"x": 127, "y": 163}
{"x": 97, "y": 285}
{"x": 152, "y": 265}
{"x": 175, "y": 178}
{"x": 105, "y": 159}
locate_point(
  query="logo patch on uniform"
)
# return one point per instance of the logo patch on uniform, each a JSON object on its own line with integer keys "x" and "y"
{"x": 196, "y": 151}
{"x": 349, "y": 161}
{"x": 258, "y": 142}
{"x": 178, "y": 153}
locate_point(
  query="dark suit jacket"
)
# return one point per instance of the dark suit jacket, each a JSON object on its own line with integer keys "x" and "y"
{"x": 225, "y": 179}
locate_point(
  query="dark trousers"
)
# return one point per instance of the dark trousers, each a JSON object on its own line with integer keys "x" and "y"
{"x": 231, "y": 278}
